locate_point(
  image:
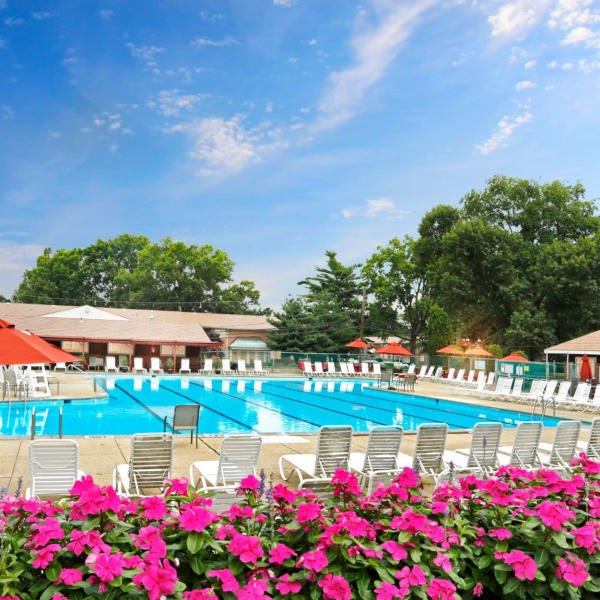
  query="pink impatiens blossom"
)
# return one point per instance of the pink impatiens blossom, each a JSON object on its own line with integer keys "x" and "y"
{"x": 441, "y": 589}
{"x": 335, "y": 587}
{"x": 307, "y": 511}
{"x": 202, "y": 594}
{"x": 154, "y": 508}
{"x": 108, "y": 566}
{"x": 150, "y": 538}
{"x": 501, "y": 534}
{"x": 47, "y": 530}
{"x": 395, "y": 549}
{"x": 554, "y": 514}
{"x": 246, "y": 547}
{"x": 441, "y": 560}
{"x": 196, "y": 518}
{"x": 315, "y": 560}
{"x": 285, "y": 586}
{"x": 572, "y": 571}
{"x": 80, "y": 540}
{"x": 255, "y": 589}
{"x": 387, "y": 591}
{"x": 346, "y": 483}
{"x": 478, "y": 590}
{"x": 411, "y": 577}
{"x": 249, "y": 483}
{"x": 228, "y": 581}
{"x": 280, "y": 553}
{"x": 587, "y": 536}
{"x": 159, "y": 579}
{"x": 70, "y": 576}
{"x": 44, "y": 556}
{"x": 179, "y": 487}
{"x": 524, "y": 566}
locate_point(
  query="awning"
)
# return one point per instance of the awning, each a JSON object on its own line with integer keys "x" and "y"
{"x": 248, "y": 343}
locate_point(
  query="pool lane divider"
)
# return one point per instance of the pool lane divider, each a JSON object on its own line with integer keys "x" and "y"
{"x": 160, "y": 385}
{"x": 330, "y": 395}
{"x": 154, "y": 414}
{"x": 275, "y": 410}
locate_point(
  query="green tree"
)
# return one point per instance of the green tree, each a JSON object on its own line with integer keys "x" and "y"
{"x": 3, "y": 299}
{"x": 496, "y": 350}
{"x": 440, "y": 329}
{"x": 400, "y": 288}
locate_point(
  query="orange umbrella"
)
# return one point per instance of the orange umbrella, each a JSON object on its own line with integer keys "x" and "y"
{"x": 514, "y": 357}
{"x": 394, "y": 348}
{"x": 24, "y": 348}
{"x": 586, "y": 371}
{"x": 479, "y": 351}
{"x": 357, "y": 343}
{"x": 450, "y": 350}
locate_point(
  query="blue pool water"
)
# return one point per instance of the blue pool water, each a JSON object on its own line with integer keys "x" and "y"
{"x": 139, "y": 404}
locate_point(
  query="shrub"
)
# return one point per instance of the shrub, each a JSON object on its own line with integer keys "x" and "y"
{"x": 516, "y": 535}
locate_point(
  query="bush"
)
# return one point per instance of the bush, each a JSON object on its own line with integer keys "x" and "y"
{"x": 516, "y": 535}
{"x": 496, "y": 350}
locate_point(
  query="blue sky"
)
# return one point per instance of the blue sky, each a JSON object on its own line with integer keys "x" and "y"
{"x": 278, "y": 129}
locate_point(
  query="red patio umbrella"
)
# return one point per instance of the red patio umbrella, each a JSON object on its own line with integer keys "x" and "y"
{"x": 25, "y": 348}
{"x": 586, "y": 371}
{"x": 394, "y": 348}
{"x": 514, "y": 357}
{"x": 450, "y": 350}
{"x": 479, "y": 351}
{"x": 357, "y": 343}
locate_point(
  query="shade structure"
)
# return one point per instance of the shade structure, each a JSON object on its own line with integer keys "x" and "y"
{"x": 514, "y": 357}
{"x": 25, "y": 348}
{"x": 394, "y": 348}
{"x": 586, "y": 371}
{"x": 357, "y": 343}
{"x": 451, "y": 351}
{"x": 479, "y": 352}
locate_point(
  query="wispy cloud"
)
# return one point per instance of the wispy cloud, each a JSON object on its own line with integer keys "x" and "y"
{"x": 14, "y": 259}
{"x": 105, "y": 13}
{"x": 13, "y": 22}
{"x": 378, "y": 207}
{"x": 172, "y": 102}
{"x": 286, "y": 3}
{"x": 226, "y": 41}
{"x": 374, "y": 47}
{"x": 6, "y": 112}
{"x": 524, "y": 85}
{"x": 505, "y": 129}
{"x": 41, "y": 16}
{"x": 145, "y": 53}
{"x": 514, "y": 19}
{"x": 530, "y": 64}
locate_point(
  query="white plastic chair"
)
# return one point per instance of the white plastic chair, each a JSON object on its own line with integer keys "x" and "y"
{"x": 226, "y": 366}
{"x": 564, "y": 446}
{"x": 241, "y": 367}
{"x": 364, "y": 369}
{"x": 208, "y": 366}
{"x": 258, "y": 367}
{"x": 318, "y": 366}
{"x": 307, "y": 368}
{"x": 185, "y": 366}
{"x": 331, "y": 369}
{"x": 333, "y": 451}
{"x": 111, "y": 365}
{"x": 53, "y": 467}
{"x": 428, "y": 455}
{"x": 237, "y": 459}
{"x": 524, "y": 451}
{"x": 155, "y": 365}
{"x": 138, "y": 365}
{"x": 60, "y": 367}
{"x": 482, "y": 456}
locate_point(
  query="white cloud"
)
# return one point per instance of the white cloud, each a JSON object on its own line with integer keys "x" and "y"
{"x": 146, "y": 53}
{"x": 304, "y": 109}
{"x": 98, "y": 122}
{"x": 515, "y": 18}
{"x": 578, "y": 35}
{"x": 6, "y": 112}
{"x": 40, "y": 16}
{"x": 378, "y": 207}
{"x": 293, "y": 59}
{"x": 12, "y": 22}
{"x": 269, "y": 107}
{"x": 172, "y": 102}
{"x": 374, "y": 48}
{"x": 226, "y": 41}
{"x": 115, "y": 125}
{"x": 113, "y": 148}
{"x": 286, "y": 3}
{"x": 224, "y": 146}
{"x": 568, "y": 14}
{"x": 530, "y": 64}
{"x": 506, "y": 127}
{"x": 524, "y": 85}
{"x": 105, "y": 13}
{"x": 553, "y": 64}
{"x": 312, "y": 42}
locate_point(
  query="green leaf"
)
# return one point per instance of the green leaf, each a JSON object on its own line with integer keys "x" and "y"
{"x": 49, "y": 592}
{"x": 541, "y": 557}
{"x": 560, "y": 539}
{"x": 194, "y": 542}
{"x": 53, "y": 571}
{"x": 484, "y": 562}
{"x": 511, "y": 586}
{"x": 415, "y": 555}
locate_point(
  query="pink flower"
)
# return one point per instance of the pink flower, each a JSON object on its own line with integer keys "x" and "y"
{"x": 196, "y": 518}
{"x": 254, "y": 590}
{"x": 285, "y": 586}
{"x": 307, "y": 511}
{"x": 572, "y": 571}
{"x": 335, "y": 587}
{"x": 395, "y": 549}
{"x": 47, "y": 530}
{"x": 44, "y": 556}
{"x": 150, "y": 538}
{"x": 108, "y": 566}
{"x": 501, "y": 534}
{"x": 408, "y": 479}
{"x": 440, "y": 589}
{"x": 179, "y": 487}
{"x": 411, "y": 577}
{"x": 280, "y": 553}
{"x": 315, "y": 560}
{"x": 90, "y": 539}
{"x": 554, "y": 514}
{"x": 228, "y": 582}
{"x": 70, "y": 576}
{"x": 587, "y": 537}
{"x": 203, "y": 594}
{"x": 154, "y": 508}
{"x": 246, "y": 547}
{"x": 249, "y": 483}
{"x": 524, "y": 566}
{"x": 346, "y": 483}
{"x": 441, "y": 560}
{"x": 158, "y": 579}
{"x": 387, "y": 591}
{"x": 478, "y": 589}
{"x": 59, "y": 596}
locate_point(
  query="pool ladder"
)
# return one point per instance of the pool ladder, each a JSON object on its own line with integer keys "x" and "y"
{"x": 544, "y": 402}
{"x": 44, "y": 417}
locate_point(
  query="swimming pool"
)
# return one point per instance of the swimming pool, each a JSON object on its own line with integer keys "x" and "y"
{"x": 264, "y": 405}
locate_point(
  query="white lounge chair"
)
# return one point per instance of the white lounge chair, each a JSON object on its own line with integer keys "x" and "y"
{"x": 582, "y": 402}
{"x": 331, "y": 369}
{"x": 428, "y": 455}
{"x": 563, "y": 392}
{"x": 186, "y": 417}
{"x": 482, "y": 456}
{"x": 449, "y": 377}
{"x": 319, "y": 368}
{"x": 524, "y": 451}
{"x": 564, "y": 446}
{"x": 469, "y": 380}
{"x": 237, "y": 459}
{"x": 185, "y": 366}
{"x": 150, "y": 463}
{"x": 593, "y": 405}
{"x": 208, "y": 366}
{"x": 379, "y": 463}
{"x": 502, "y": 389}
{"x": 438, "y": 374}
{"x": 241, "y": 367}
{"x": 490, "y": 379}
{"x": 364, "y": 370}
{"x": 376, "y": 370}
{"x": 307, "y": 368}
{"x": 226, "y": 366}
{"x": 411, "y": 369}
{"x": 258, "y": 367}
{"x": 515, "y": 393}
{"x": 459, "y": 379}
{"x": 53, "y": 467}
{"x": 155, "y": 367}
{"x": 577, "y": 397}
{"x": 592, "y": 449}
{"x": 333, "y": 451}
{"x": 479, "y": 390}
{"x": 351, "y": 370}
{"x": 111, "y": 365}
{"x": 60, "y": 367}
{"x": 138, "y": 365}
{"x": 422, "y": 371}
{"x": 536, "y": 392}
{"x": 429, "y": 373}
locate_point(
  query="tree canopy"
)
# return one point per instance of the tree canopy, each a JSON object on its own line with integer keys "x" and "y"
{"x": 131, "y": 271}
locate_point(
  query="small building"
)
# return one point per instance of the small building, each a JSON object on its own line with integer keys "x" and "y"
{"x": 573, "y": 351}
{"x": 94, "y": 333}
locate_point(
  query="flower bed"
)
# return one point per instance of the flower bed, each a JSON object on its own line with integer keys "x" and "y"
{"x": 517, "y": 535}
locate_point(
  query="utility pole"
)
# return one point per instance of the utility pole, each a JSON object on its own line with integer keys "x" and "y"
{"x": 362, "y": 313}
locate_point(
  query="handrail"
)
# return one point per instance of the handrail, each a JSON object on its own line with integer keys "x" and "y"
{"x": 60, "y": 421}
{"x": 33, "y": 423}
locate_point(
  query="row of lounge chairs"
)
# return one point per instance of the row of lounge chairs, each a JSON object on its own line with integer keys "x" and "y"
{"x": 346, "y": 369}
{"x": 156, "y": 366}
